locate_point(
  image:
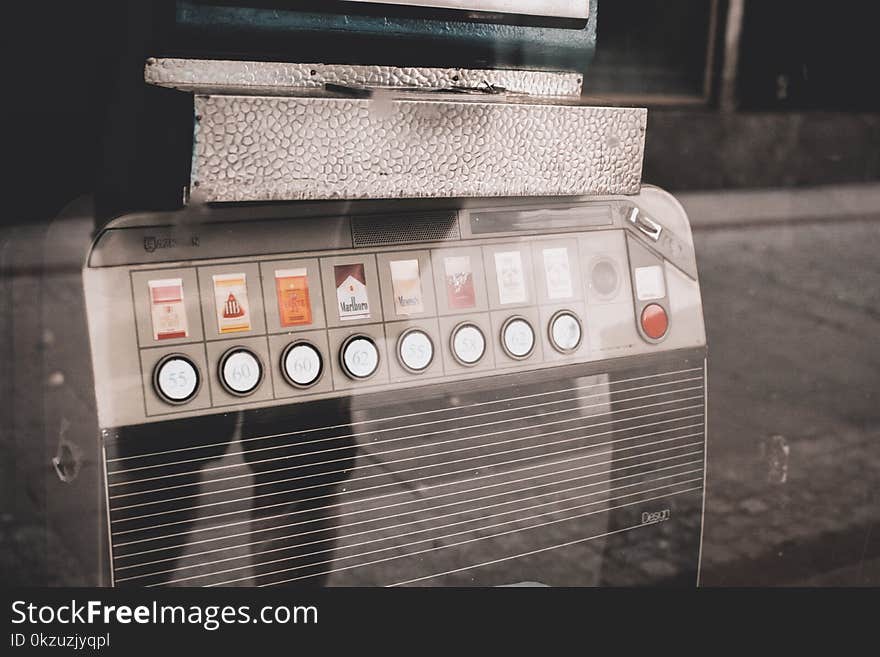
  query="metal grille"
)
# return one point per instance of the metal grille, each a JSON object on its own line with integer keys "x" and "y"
{"x": 456, "y": 490}
{"x": 402, "y": 229}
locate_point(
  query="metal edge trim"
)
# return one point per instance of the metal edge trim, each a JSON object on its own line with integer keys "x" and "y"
{"x": 280, "y": 78}
{"x": 705, "y": 462}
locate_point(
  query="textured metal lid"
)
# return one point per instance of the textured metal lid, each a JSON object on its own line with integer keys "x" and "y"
{"x": 274, "y": 131}
{"x": 262, "y": 148}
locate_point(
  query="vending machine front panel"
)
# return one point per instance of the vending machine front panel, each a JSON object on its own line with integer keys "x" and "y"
{"x": 469, "y": 392}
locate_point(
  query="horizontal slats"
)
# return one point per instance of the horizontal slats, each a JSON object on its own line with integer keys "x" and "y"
{"x": 365, "y": 500}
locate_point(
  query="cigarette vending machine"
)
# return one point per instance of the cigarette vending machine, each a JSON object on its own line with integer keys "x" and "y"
{"x": 412, "y": 326}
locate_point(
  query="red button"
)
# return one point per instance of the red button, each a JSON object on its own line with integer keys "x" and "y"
{"x": 654, "y": 321}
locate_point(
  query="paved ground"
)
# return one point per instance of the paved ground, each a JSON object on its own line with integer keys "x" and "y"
{"x": 791, "y": 287}
{"x": 793, "y": 316}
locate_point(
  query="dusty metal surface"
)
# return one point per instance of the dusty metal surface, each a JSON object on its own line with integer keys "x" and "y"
{"x": 278, "y": 78}
{"x": 255, "y": 148}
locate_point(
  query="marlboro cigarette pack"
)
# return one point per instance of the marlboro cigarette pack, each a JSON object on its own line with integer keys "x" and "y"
{"x": 351, "y": 291}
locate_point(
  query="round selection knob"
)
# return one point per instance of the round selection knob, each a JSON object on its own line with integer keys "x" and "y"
{"x": 359, "y": 357}
{"x": 565, "y": 331}
{"x": 176, "y": 379}
{"x": 301, "y": 364}
{"x": 517, "y": 338}
{"x": 415, "y": 350}
{"x": 468, "y": 344}
{"x": 240, "y": 371}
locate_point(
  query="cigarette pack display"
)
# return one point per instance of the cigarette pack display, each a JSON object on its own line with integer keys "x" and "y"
{"x": 511, "y": 279}
{"x": 351, "y": 291}
{"x": 232, "y": 307}
{"x": 459, "y": 282}
{"x": 294, "y": 304}
{"x": 407, "y": 284}
{"x": 168, "y": 309}
{"x": 558, "y": 273}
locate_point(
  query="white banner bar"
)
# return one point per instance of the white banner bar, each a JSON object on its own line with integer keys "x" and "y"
{"x": 550, "y": 8}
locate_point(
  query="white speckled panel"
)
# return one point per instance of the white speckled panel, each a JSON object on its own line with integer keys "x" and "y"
{"x": 260, "y": 148}
{"x": 279, "y": 79}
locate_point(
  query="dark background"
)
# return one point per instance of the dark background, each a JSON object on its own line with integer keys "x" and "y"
{"x": 806, "y": 93}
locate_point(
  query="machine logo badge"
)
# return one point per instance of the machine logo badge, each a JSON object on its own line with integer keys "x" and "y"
{"x": 511, "y": 279}
{"x": 168, "y": 309}
{"x": 230, "y": 298}
{"x": 557, "y": 273}
{"x": 292, "y": 289}
{"x": 407, "y": 284}
{"x": 151, "y": 243}
{"x": 351, "y": 291}
{"x": 460, "y": 292}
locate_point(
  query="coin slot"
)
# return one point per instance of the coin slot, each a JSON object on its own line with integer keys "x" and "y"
{"x": 605, "y": 278}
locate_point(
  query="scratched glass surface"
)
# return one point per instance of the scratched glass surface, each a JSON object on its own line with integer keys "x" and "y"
{"x": 757, "y": 466}
{"x": 791, "y": 450}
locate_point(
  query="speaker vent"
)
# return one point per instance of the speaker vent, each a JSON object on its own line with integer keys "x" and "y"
{"x": 405, "y": 228}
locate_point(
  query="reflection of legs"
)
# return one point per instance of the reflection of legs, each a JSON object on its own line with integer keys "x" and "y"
{"x": 293, "y": 521}
{"x": 315, "y": 546}
{"x": 209, "y": 430}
